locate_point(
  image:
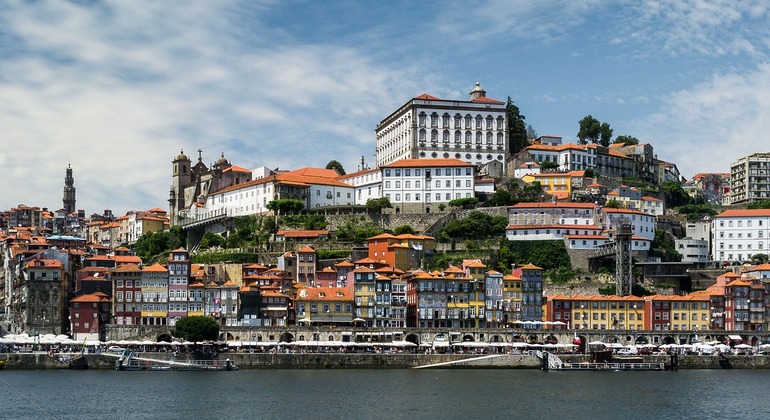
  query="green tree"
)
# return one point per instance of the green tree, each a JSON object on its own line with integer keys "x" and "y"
{"x": 590, "y": 129}
{"x": 517, "y": 130}
{"x": 336, "y": 166}
{"x": 605, "y": 134}
{"x": 763, "y": 204}
{"x": 614, "y": 204}
{"x": 531, "y": 133}
{"x": 377, "y": 204}
{"x": 758, "y": 259}
{"x": 477, "y": 225}
{"x": 212, "y": 240}
{"x": 674, "y": 194}
{"x": 626, "y": 140}
{"x": 400, "y": 230}
{"x": 465, "y": 203}
{"x": 548, "y": 255}
{"x": 286, "y": 205}
{"x": 501, "y": 197}
{"x": 152, "y": 244}
{"x": 548, "y": 165}
{"x": 196, "y": 328}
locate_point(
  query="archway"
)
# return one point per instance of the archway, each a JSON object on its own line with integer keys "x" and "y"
{"x": 413, "y": 338}
{"x": 286, "y": 337}
{"x": 468, "y": 337}
{"x": 642, "y": 340}
{"x": 164, "y": 338}
{"x": 669, "y": 340}
{"x": 551, "y": 339}
{"x": 496, "y": 339}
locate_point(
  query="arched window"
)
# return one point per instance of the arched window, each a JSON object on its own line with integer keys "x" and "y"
{"x": 467, "y": 137}
{"x": 434, "y": 120}
{"x": 434, "y": 136}
{"x": 500, "y": 138}
{"x": 479, "y": 122}
{"x": 458, "y": 121}
{"x": 446, "y": 136}
{"x": 468, "y": 121}
{"x": 421, "y": 119}
{"x": 490, "y": 123}
{"x": 445, "y": 121}
{"x": 458, "y": 136}
{"x": 489, "y": 137}
{"x": 422, "y": 135}
{"x": 500, "y": 123}
{"x": 478, "y": 137}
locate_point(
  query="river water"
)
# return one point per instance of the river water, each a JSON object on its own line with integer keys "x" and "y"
{"x": 384, "y": 394}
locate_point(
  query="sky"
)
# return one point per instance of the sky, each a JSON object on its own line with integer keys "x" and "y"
{"x": 117, "y": 88}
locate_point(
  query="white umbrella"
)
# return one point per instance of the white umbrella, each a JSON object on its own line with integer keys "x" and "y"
{"x": 596, "y": 343}
{"x": 743, "y": 346}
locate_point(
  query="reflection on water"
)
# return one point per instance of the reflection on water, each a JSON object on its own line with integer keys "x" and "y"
{"x": 384, "y": 394}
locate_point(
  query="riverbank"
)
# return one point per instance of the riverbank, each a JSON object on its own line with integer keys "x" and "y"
{"x": 41, "y": 360}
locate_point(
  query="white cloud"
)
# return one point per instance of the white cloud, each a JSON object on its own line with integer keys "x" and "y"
{"x": 708, "y": 126}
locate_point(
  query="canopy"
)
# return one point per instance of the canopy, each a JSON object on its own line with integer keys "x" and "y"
{"x": 735, "y": 337}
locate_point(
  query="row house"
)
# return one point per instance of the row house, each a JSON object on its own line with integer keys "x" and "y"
{"x": 403, "y": 252}
{"x": 179, "y": 272}
{"x": 429, "y": 127}
{"x": 325, "y": 306}
{"x": 43, "y": 302}
{"x": 127, "y": 294}
{"x": 363, "y": 281}
{"x": 531, "y": 291}
{"x": 154, "y": 295}
{"x": 420, "y": 185}
{"x": 737, "y": 234}
{"x": 495, "y": 307}
{"x": 511, "y": 298}
{"x": 444, "y": 299}
{"x": 691, "y": 312}
{"x": 89, "y": 315}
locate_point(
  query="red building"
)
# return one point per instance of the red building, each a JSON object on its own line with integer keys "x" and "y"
{"x": 89, "y": 314}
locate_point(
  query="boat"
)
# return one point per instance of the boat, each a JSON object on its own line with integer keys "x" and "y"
{"x": 601, "y": 361}
{"x": 129, "y": 361}
{"x": 79, "y": 362}
{"x": 4, "y": 362}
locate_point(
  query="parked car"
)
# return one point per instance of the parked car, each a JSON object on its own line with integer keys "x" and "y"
{"x": 115, "y": 349}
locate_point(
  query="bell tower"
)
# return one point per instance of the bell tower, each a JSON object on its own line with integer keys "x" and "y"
{"x": 68, "y": 201}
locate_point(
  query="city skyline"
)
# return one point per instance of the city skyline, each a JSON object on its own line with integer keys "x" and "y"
{"x": 117, "y": 89}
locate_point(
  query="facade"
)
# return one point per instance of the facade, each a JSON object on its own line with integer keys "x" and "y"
{"x": 750, "y": 179}
{"x": 89, "y": 314}
{"x": 558, "y": 184}
{"x": 551, "y": 221}
{"x": 127, "y": 294}
{"x": 403, "y": 252}
{"x": 569, "y": 157}
{"x": 44, "y": 297}
{"x": 363, "y": 282}
{"x": 367, "y": 184}
{"x": 494, "y": 307}
{"x": 531, "y": 291}
{"x": 154, "y": 295}
{"x": 420, "y": 185}
{"x": 179, "y": 270}
{"x": 429, "y": 127}
{"x": 739, "y": 234}
{"x": 317, "y": 306}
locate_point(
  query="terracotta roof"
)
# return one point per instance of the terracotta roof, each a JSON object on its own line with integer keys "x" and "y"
{"x": 155, "y": 268}
{"x": 428, "y": 97}
{"x": 745, "y": 213}
{"x": 553, "y": 205}
{"x": 298, "y": 233}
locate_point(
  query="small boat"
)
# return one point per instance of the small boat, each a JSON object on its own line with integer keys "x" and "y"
{"x": 130, "y": 361}
{"x": 79, "y": 362}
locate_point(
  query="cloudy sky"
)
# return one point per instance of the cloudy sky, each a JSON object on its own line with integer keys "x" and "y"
{"x": 117, "y": 88}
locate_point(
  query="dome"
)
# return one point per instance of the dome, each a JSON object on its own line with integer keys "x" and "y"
{"x": 181, "y": 155}
{"x": 222, "y": 160}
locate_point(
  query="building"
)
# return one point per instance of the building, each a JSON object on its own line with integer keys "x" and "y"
{"x": 567, "y": 157}
{"x": 89, "y": 315}
{"x": 317, "y": 306}
{"x": 558, "y": 184}
{"x": 127, "y": 294}
{"x": 45, "y": 304}
{"x": 429, "y": 127}
{"x": 68, "y": 200}
{"x": 154, "y": 295}
{"x": 179, "y": 270}
{"x": 750, "y": 179}
{"x": 421, "y": 185}
{"x": 367, "y": 184}
{"x": 403, "y": 252}
{"x": 739, "y": 234}
{"x": 531, "y": 291}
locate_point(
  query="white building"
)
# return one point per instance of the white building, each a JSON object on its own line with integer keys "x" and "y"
{"x": 692, "y": 250}
{"x": 569, "y": 157}
{"x": 739, "y": 234}
{"x": 643, "y": 223}
{"x": 367, "y": 184}
{"x": 420, "y": 185}
{"x": 750, "y": 178}
{"x": 429, "y": 127}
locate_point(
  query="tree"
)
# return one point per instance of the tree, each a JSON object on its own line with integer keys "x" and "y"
{"x": 286, "y": 206}
{"x": 758, "y": 259}
{"x": 626, "y": 140}
{"x": 590, "y": 129}
{"x": 763, "y": 204}
{"x": 212, "y": 240}
{"x": 196, "y": 328}
{"x": 377, "y": 204}
{"x": 336, "y": 166}
{"x": 531, "y": 133}
{"x": 517, "y": 130}
{"x": 548, "y": 165}
{"x": 400, "y": 230}
{"x": 466, "y": 203}
{"x": 152, "y": 244}
{"x": 674, "y": 194}
{"x": 605, "y": 134}
{"x": 614, "y": 204}
{"x": 501, "y": 197}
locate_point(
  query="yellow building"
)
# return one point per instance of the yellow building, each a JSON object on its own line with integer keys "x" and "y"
{"x": 512, "y": 298}
{"x": 154, "y": 295}
{"x": 558, "y": 184}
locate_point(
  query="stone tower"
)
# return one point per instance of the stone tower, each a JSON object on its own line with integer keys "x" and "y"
{"x": 69, "y": 192}
{"x": 478, "y": 92}
{"x": 181, "y": 178}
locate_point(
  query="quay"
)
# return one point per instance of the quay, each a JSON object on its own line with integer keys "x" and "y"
{"x": 42, "y": 360}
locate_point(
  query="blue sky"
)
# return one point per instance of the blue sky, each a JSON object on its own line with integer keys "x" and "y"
{"x": 117, "y": 88}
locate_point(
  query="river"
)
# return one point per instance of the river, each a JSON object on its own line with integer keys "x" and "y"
{"x": 383, "y": 394}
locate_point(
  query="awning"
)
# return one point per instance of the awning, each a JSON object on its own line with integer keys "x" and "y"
{"x": 735, "y": 337}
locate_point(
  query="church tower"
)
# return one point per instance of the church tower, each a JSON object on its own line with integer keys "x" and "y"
{"x": 182, "y": 178}
{"x": 69, "y": 192}
{"x": 478, "y": 92}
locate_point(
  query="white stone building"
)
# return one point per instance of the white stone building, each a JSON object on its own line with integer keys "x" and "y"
{"x": 420, "y": 185}
{"x": 739, "y": 234}
{"x": 429, "y": 127}
{"x": 367, "y": 184}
